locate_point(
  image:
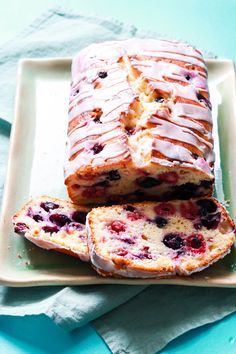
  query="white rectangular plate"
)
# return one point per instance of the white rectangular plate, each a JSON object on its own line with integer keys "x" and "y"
{"x": 36, "y": 167}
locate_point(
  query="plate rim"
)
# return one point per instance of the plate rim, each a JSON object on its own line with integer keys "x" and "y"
{"x": 42, "y": 279}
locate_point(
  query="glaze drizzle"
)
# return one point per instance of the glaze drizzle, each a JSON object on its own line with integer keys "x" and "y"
{"x": 155, "y": 86}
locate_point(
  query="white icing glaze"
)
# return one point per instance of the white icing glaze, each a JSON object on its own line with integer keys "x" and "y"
{"x": 90, "y": 130}
{"x": 175, "y": 56}
{"x": 169, "y": 130}
{"x": 50, "y": 245}
{"x": 172, "y": 151}
{"x": 192, "y": 111}
{"x": 110, "y": 76}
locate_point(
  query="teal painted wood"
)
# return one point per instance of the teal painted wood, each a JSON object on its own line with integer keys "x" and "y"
{"x": 208, "y": 25}
{"x": 37, "y": 335}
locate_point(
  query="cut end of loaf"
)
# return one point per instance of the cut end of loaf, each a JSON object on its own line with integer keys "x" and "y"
{"x": 51, "y": 223}
{"x": 148, "y": 240}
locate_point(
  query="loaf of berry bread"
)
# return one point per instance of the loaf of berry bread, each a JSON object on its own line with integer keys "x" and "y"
{"x": 54, "y": 224}
{"x": 139, "y": 123}
{"x": 148, "y": 240}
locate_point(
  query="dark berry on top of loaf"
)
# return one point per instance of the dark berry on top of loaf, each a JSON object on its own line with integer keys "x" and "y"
{"x": 140, "y": 125}
{"x": 51, "y": 223}
{"x": 151, "y": 239}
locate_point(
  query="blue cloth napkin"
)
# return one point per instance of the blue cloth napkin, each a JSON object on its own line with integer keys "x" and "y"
{"x": 131, "y": 319}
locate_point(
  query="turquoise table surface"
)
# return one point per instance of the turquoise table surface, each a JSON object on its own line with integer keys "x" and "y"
{"x": 209, "y": 26}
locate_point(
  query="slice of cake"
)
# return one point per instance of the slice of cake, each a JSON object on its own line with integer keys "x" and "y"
{"x": 51, "y": 223}
{"x": 140, "y": 124}
{"x": 147, "y": 240}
